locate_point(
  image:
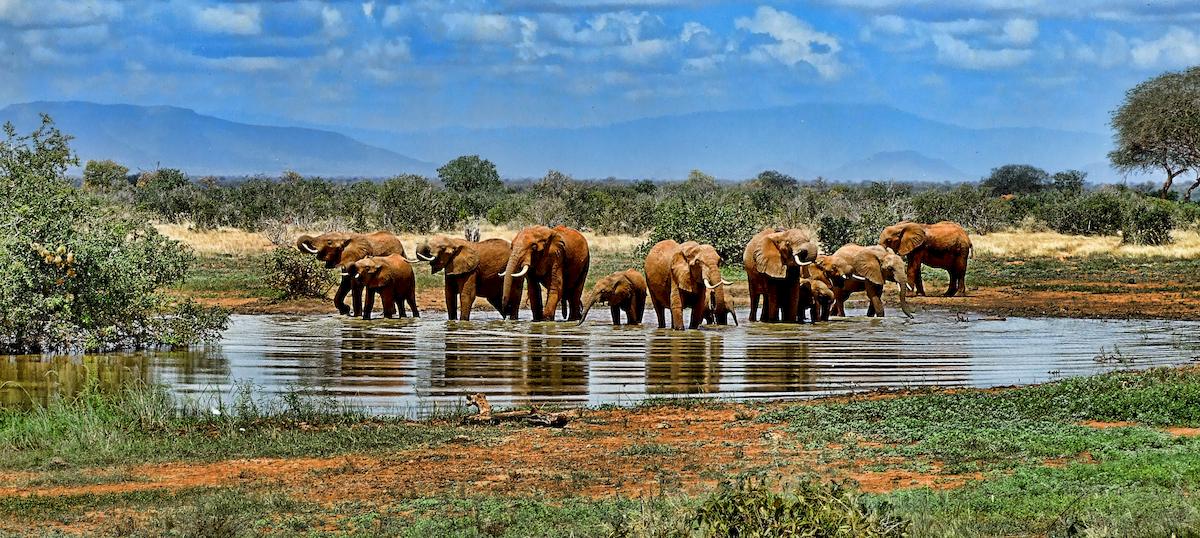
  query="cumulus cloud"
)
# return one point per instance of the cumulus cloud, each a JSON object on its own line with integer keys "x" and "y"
{"x": 331, "y": 22}
{"x": 479, "y": 27}
{"x": 57, "y": 13}
{"x": 795, "y": 42}
{"x": 381, "y": 59}
{"x": 1111, "y": 52}
{"x": 958, "y": 53}
{"x": 1020, "y": 32}
{"x": 227, "y": 19}
{"x": 1179, "y": 47}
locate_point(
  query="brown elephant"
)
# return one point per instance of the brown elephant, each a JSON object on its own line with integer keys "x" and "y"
{"x": 556, "y": 258}
{"x": 773, "y": 260}
{"x": 687, "y": 276}
{"x": 472, "y": 270}
{"x": 870, "y": 268}
{"x": 623, "y": 291}
{"x": 392, "y": 278}
{"x": 341, "y": 250}
{"x": 817, "y": 297}
{"x": 944, "y": 245}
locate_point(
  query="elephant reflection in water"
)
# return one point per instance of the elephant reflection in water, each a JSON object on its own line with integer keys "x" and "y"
{"x": 779, "y": 365}
{"x": 29, "y": 379}
{"x": 684, "y": 363}
{"x": 379, "y": 355}
{"x": 547, "y": 362}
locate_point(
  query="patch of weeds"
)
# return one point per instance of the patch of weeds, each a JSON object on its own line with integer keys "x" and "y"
{"x": 808, "y": 508}
{"x": 648, "y": 449}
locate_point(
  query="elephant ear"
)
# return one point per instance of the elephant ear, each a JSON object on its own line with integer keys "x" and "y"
{"x": 681, "y": 272}
{"x": 868, "y": 267}
{"x": 621, "y": 290}
{"x": 913, "y": 237}
{"x": 463, "y": 261}
{"x": 769, "y": 259}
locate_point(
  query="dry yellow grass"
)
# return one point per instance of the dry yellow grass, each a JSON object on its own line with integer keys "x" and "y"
{"x": 1055, "y": 245}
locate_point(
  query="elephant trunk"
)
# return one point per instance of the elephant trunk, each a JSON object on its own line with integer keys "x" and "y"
{"x": 903, "y": 300}
{"x": 510, "y": 272}
{"x": 304, "y": 244}
{"x": 587, "y": 307}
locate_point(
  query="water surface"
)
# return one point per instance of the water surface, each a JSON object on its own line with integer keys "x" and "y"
{"x": 404, "y": 366}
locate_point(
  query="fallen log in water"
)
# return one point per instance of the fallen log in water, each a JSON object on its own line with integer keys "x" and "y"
{"x": 532, "y": 417}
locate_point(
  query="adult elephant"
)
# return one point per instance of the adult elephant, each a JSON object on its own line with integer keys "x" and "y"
{"x": 472, "y": 270}
{"x": 556, "y": 258}
{"x": 341, "y": 250}
{"x": 773, "y": 260}
{"x": 944, "y": 245}
{"x": 686, "y": 276}
{"x": 871, "y": 267}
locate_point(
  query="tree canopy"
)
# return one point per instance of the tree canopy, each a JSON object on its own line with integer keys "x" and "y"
{"x": 468, "y": 173}
{"x": 1016, "y": 179}
{"x": 1157, "y": 127}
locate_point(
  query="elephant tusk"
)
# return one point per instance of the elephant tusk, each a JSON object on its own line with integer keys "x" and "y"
{"x": 799, "y": 261}
{"x": 411, "y": 260}
{"x": 726, "y": 282}
{"x": 910, "y": 287}
{"x": 859, "y": 277}
{"x": 502, "y": 273}
{"x": 344, "y": 273}
{"x": 521, "y": 272}
{"x": 710, "y": 286}
{"x": 429, "y": 259}
{"x": 307, "y": 248}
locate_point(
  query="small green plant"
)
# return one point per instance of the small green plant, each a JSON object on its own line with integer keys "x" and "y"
{"x": 294, "y": 274}
{"x": 750, "y": 507}
{"x": 1149, "y": 222}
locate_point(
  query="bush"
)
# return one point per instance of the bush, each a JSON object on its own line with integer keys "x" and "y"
{"x": 834, "y": 232}
{"x": 1149, "y": 222}
{"x": 722, "y": 225}
{"x": 295, "y": 274}
{"x": 1097, "y": 213}
{"x": 810, "y": 508}
{"x": 77, "y": 273}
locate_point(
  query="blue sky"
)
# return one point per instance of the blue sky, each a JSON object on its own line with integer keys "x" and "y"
{"x": 417, "y": 64}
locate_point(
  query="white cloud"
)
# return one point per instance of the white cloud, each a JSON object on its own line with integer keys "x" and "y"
{"x": 479, "y": 27}
{"x": 380, "y": 59}
{"x": 1112, "y": 52}
{"x": 56, "y": 13}
{"x": 692, "y": 29}
{"x": 1179, "y": 47}
{"x": 644, "y": 51}
{"x": 1020, "y": 32}
{"x": 226, "y": 19}
{"x": 331, "y": 22}
{"x": 958, "y": 53}
{"x": 796, "y": 42}
{"x": 368, "y": 9}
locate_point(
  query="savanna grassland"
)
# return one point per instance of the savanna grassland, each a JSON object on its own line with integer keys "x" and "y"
{"x": 1110, "y": 455}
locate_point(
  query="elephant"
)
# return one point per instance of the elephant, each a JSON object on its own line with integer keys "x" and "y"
{"x": 623, "y": 290}
{"x": 472, "y": 269}
{"x": 392, "y": 278}
{"x": 341, "y": 250}
{"x": 556, "y": 258}
{"x": 687, "y": 276}
{"x": 870, "y": 268}
{"x": 944, "y": 245}
{"x": 773, "y": 260}
{"x": 817, "y": 297}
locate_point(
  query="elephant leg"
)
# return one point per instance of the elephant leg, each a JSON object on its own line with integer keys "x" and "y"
{"x": 639, "y": 309}
{"x": 769, "y": 308}
{"x": 412, "y": 301}
{"x": 370, "y": 304}
{"x": 451, "y": 298}
{"x": 554, "y": 294}
{"x": 467, "y": 297}
{"x": 339, "y": 298}
{"x": 676, "y": 310}
{"x": 917, "y": 279}
{"x": 699, "y": 311}
{"x": 535, "y": 300}
{"x": 753, "y": 304}
{"x": 790, "y": 298}
{"x": 615, "y": 310}
{"x": 388, "y": 297}
{"x": 356, "y": 293}
{"x": 630, "y": 316}
{"x": 875, "y": 295}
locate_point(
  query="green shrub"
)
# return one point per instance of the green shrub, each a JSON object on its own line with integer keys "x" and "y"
{"x": 294, "y": 274}
{"x": 1149, "y": 222}
{"x": 78, "y": 273}
{"x": 1097, "y": 213}
{"x": 809, "y": 508}
{"x": 724, "y": 226}
{"x": 972, "y": 207}
{"x": 835, "y": 232}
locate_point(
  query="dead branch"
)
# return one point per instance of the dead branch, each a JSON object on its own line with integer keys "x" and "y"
{"x": 532, "y": 417}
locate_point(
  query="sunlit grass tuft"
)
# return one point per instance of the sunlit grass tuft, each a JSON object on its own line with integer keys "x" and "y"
{"x": 1027, "y": 244}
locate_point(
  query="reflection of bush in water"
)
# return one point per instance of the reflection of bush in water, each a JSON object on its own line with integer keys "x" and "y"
{"x": 25, "y": 381}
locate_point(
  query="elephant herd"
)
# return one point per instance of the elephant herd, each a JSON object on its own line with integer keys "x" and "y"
{"x": 786, "y": 273}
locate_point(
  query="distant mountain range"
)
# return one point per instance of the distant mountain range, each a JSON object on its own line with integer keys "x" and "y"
{"x": 144, "y": 138}
{"x": 837, "y": 141}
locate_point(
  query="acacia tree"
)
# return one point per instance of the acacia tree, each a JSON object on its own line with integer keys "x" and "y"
{"x": 469, "y": 173}
{"x": 1158, "y": 127}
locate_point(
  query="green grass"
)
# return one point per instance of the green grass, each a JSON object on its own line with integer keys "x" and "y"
{"x": 218, "y": 274}
{"x": 146, "y": 424}
{"x": 987, "y": 270}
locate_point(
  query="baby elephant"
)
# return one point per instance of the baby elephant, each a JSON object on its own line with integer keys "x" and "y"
{"x": 623, "y": 290}
{"x": 392, "y": 278}
{"x": 815, "y": 296}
